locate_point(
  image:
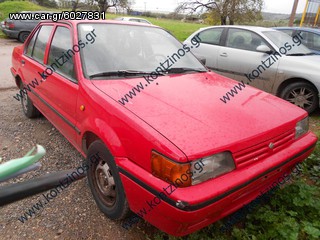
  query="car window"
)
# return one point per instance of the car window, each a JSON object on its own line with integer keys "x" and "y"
{"x": 211, "y": 36}
{"x": 61, "y": 53}
{"x": 316, "y": 42}
{"x": 244, "y": 39}
{"x": 135, "y": 48}
{"x": 41, "y": 43}
{"x": 310, "y": 40}
{"x": 31, "y": 44}
{"x": 287, "y": 31}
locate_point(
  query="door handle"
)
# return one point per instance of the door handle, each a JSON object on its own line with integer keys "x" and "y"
{"x": 23, "y": 62}
{"x": 224, "y": 55}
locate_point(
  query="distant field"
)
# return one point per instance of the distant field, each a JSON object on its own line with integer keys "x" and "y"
{"x": 180, "y": 29}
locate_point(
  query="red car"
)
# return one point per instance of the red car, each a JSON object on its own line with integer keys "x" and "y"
{"x": 168, "y": 148}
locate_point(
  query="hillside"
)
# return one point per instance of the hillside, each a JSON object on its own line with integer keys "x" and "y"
{"x": 17, "y": 6}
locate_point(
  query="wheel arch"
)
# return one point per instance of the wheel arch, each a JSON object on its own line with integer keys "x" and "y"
{"x": 18, "y": 80}
{"x": 107, "y": 136}
{"x": 289, "y": 81}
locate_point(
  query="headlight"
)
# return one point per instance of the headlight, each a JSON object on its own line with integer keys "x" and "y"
{"x": 302, "y": 127}
{"x": 187, "y": 174}
{"x": 212, "y": 167}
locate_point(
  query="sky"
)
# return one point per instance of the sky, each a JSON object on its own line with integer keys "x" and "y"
{"x": 275, "y": 6}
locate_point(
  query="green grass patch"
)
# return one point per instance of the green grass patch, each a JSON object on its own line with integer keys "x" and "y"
{"x": 18, "y": 6}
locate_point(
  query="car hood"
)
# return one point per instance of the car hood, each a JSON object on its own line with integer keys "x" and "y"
{"x": 187, "y": 109}
{"x": 302, "y": 64}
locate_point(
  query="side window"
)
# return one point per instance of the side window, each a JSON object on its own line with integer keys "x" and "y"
{"x": 310, "y": 40}
{"x": 243, "y": 39}
{"x": 41, "y": 43}
{"x": 211, "y": 36}
{"x": 287, "y": 31}
{"x": 316, "y": 42}
{"x": 61, "y": 53}
{"x": 31, "y": 44}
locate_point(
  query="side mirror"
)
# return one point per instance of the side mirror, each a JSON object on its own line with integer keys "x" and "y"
{"x": 203, "y": 60}
{"x": 264, "y": 49}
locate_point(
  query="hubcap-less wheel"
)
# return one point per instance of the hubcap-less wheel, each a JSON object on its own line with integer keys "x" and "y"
{"x": 105, "y": 183}
{"x": 301, "y": 97}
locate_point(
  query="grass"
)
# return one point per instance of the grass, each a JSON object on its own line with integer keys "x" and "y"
{"x": 18, "y": 6}
{"x": 180, "y": 30}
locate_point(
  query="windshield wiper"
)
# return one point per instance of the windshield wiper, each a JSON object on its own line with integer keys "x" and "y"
{"x": 183, "y": 70}
{"x": 300, "y": 54}
{"x": 120, "y": 73}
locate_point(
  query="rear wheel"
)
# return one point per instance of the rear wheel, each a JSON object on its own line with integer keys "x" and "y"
{"x": 105, "y": 183}
{"x": 23, "y": 36}
{"x": 302, "y": 94}
{"x": 27, "y": 106}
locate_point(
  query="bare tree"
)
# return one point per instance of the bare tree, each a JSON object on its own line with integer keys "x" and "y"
{"x": 234, "y": 10}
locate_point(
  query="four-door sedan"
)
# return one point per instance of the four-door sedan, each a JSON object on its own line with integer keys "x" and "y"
{"x": 20, "y": 29}
{"x": 310, "y": 36}
{"x": 264, "y": 58}
{"x": 168, "y": 150}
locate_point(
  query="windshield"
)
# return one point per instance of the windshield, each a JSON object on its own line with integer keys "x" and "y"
{"x": 292, "y": 45}
{"x": 129, "y": 50}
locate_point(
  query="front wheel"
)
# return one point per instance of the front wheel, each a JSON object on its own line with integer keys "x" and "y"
{"x": 302, "y": 94}
{"x": 105, "y": 183}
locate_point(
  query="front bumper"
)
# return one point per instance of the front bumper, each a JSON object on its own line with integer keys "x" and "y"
{"x": 185, "y": 210}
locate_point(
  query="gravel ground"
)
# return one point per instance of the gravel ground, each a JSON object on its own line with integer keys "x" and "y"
{"x": 73, "y": 214}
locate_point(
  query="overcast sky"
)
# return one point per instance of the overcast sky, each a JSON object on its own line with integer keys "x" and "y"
{"x": 275, "y": 6}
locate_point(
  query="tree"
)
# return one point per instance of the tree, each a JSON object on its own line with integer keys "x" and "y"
{"x": 104, "y": 5}
{"x": 232, "y": 10}
{"x": 47, "y": 3}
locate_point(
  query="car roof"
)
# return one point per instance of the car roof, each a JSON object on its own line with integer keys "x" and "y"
{"x": 251, "y": 28}
{"x": 314, "y": 30}
{"x": 76, "y": 22}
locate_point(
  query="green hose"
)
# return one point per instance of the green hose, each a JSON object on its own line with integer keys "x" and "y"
{"x": 15, "y": 165}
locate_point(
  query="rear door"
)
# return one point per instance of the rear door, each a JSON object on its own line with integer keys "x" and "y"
{"x": 48, "y": 66}
{"x": 60, "y": 90}
{"x": 209, "y": 47}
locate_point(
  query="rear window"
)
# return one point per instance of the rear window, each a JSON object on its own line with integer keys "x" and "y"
{"x": 41, "y": 43}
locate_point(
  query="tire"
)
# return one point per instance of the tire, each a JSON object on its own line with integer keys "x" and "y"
{"x": 105, "y": 183}
{"x": 23, "y": 36}
{"x": 302, "y": 94}
{"x": 27, "y": 106}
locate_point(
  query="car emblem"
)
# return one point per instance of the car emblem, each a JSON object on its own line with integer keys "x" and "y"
{"x": 271, "y": 145}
